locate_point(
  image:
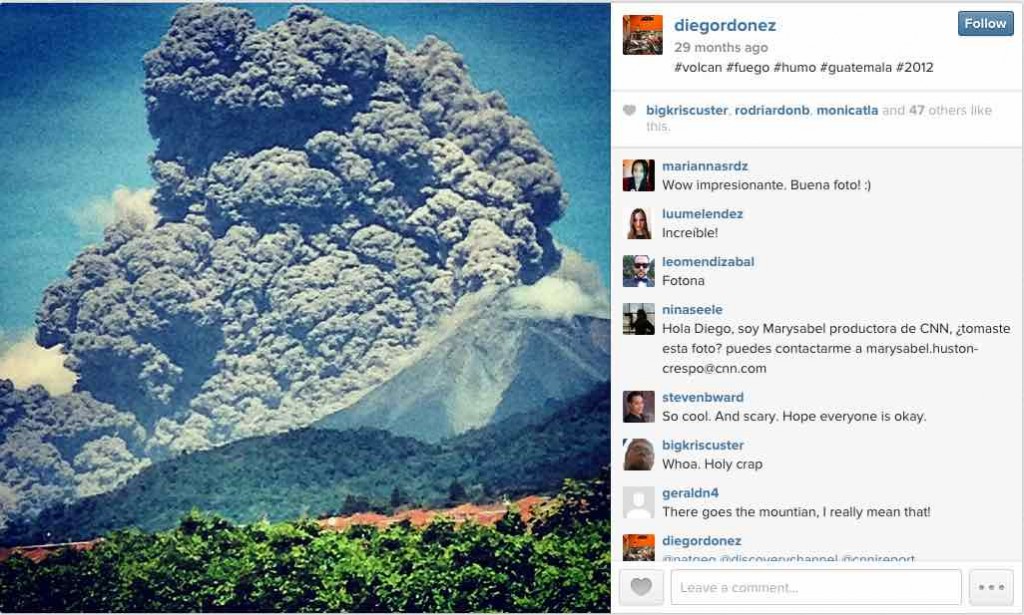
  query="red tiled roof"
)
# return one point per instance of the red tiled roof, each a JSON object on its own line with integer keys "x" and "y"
{"x": 38, "y": 553}
{"x": 486, "y": 514}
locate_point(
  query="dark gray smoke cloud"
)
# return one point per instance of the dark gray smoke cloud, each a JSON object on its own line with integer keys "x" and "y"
{"x": 58, "y": 448}
{"x": 325, "y": 196}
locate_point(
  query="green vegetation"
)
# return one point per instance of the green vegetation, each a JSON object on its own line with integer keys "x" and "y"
{"x": 319, "y": 473}
{"x": 559, "y": 562}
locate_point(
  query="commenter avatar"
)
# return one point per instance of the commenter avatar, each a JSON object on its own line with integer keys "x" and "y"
{"x": 638, "y": 228}
{"x": 637, "y": 271}
{"x": 637, "y": 319}
{"x": 638, "y": 407}
{"x": 639, "y": 455}
{"x": 638, "y": 175}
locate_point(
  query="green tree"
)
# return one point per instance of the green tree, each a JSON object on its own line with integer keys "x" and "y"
{"x": 511, "y": 523}
{"x": 456, "y": 492}
{"x": 559, "y": 562}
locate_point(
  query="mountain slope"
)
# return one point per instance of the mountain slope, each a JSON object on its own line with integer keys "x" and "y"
{"x": 314, "y": 471}
{"x": 487, "y": 370}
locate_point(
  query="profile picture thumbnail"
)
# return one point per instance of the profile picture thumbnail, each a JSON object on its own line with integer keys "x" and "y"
{"x": 638, "y": 406}
{"x": 637, "y": 271}
{"x": 638, "y": 319}
{"x": 638, "y": 175}
{"x": 638, "y": 547}
{"x": 638, "y": 227}
{"x": 638, "y": 502}
{"x": 642, "y": 35}
{"x": 639, "y": 455}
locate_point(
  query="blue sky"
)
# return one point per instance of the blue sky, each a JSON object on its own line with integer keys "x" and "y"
{"x": 73, "y": 118}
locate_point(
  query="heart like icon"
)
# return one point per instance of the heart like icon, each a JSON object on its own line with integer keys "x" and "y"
{"x": 640, "y": 586}
{"x": 629, "y": 109}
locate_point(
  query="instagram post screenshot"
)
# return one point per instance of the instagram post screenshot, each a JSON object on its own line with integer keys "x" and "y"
{"x": 511, "y": 307}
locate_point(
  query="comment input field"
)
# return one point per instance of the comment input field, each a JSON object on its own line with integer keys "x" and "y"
{"x": 817, "y": 587}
